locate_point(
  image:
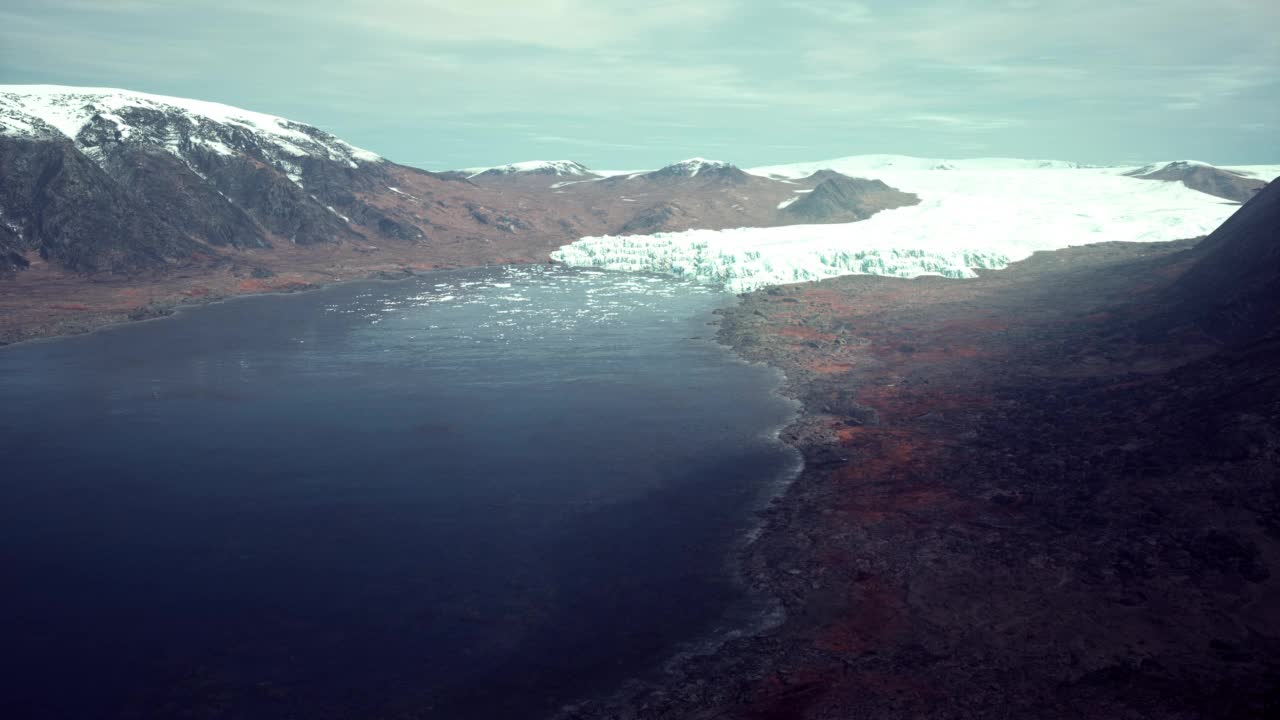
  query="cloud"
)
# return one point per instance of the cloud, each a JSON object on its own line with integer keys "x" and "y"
{"x": 959, "y": 123}
{"x": 845, "y": 13}
{"x": 722, "y": 71}
{"x": 569, "y": 25}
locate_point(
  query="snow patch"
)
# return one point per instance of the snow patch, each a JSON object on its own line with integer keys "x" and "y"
{"x": 693, "y": 166}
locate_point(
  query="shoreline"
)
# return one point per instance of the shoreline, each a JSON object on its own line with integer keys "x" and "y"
{"x": 935, "y": 513}
{"x": 86, "y": 320}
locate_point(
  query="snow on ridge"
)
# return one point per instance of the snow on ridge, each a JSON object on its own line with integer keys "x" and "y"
{"x": 966, "y": 220}
{"x": 693, "y": 166}
{"x": 1168, "y": 165}
{"x": 69, "y": 110}
{"x": 544, "y": 167}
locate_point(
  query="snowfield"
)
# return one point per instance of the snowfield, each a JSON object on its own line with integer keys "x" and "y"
{"x": 44, "y": 111}
{"x": 983, "y": 213}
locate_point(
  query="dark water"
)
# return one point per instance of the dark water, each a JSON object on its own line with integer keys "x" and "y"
{"x": 474, "y": 495}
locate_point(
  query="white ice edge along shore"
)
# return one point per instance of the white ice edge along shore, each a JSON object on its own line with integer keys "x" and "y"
{"x": 972, "y": 214}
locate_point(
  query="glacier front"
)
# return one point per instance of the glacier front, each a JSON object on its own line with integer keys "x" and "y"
{"x": 972, "y": 214}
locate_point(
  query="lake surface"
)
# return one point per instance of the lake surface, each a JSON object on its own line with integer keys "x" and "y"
{"x": 474, "y": 494}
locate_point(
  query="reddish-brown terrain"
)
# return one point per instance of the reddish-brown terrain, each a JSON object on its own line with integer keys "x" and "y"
{"x": 1049, "y": 492}
{"x": 428, "y": 221}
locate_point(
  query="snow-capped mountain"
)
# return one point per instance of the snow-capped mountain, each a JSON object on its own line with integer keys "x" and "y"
{"x": 102, "y": 120}
{"x": 693, "y": 167}
{"x": 700, "y": 168}
{"x": 104, "y": 179}
{"x": 549, "y": 168}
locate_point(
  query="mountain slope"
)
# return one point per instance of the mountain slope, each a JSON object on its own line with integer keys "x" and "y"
{"x": 839, "y": 198}
{"x": 59, "y": 204}
{"x": 188, "y": 173}
{"x": 1233, "y": 292}
{"x": 1205, "y": 178}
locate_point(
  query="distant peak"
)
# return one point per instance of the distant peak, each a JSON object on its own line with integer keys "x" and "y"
{"x": 1170, "y": 165}
{"x": 559, "y": 168}
{"x": 693, "y": 167}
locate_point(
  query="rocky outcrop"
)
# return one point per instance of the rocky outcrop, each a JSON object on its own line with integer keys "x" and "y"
{"x": 839, "y": 198}
{"x": 1204, "y": 178}
{"x": 656, "y": 218}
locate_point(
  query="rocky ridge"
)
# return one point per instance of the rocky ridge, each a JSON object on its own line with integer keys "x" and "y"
{"x": 1203, "y": 177}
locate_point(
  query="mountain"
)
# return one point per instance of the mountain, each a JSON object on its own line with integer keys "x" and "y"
{"x": 99, "y": 179}
{"x": 556, "y": 168}
{"x": 1203, "y": 177}
{"x": 701, "y": 168}
{"x": 839, "y": 198}
{"x": 76, "y": 160}
{"x": 1232, "y": 293}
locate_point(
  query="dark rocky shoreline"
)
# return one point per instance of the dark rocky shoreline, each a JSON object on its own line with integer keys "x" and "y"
{"x": 1018, "y": 501}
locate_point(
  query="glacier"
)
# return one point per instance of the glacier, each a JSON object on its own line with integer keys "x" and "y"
{"x": 973, "y": 214}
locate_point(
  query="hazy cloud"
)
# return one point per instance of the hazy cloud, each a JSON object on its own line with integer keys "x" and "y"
{"x": 491, "y": 81}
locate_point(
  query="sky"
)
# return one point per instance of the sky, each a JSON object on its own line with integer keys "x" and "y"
{"x": 445, "y": 84}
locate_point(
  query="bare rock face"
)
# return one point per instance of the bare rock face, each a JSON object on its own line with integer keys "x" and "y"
{"x": 1204, "y": 178}
{"x": 166, "y": 186}
{"x": 656, "y": 218}
{"x": 839, "y": 198}
{"x": 62, "y": 206}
